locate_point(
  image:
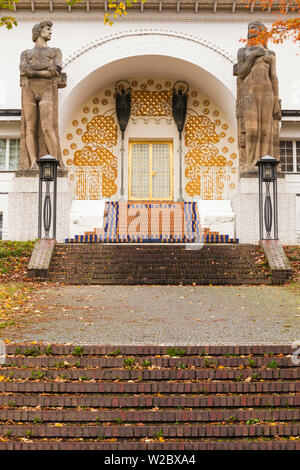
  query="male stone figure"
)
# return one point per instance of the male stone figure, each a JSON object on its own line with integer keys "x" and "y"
{"x": 258, "y": 105}
{"x": 41, "y": 76}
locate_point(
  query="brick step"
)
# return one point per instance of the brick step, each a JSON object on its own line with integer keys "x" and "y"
{"x": 205, "y": 361}
{"x": 172, "y": 445}
{"x": 149, "y": 387}
{"x": 152, "y": 264}
{"x": 228, "y": 352}
{"x": 185, "y": 256}
{"x": 118, "y": 401}
{"x": 148, "y": 247}
{"x": 187, "y": 431}
{"x": 162, "y": 272}
{"x": 167, "y": 282}
{"x": 152, "y": 375}
{"x": 119, "y": 266}
{"x": 152, "y": 416}
{"x": 70, "y": 396}
{"x": 186, "y": 278}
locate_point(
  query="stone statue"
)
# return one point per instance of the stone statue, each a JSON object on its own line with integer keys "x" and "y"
{"x": 258, "y": 105}
{"x": 41, "y": 77}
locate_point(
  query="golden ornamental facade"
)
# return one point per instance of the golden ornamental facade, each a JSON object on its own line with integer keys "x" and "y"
{"x": 92, "y": 146}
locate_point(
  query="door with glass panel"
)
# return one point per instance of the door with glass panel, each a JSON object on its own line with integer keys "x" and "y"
{"x": 150, "y": 171}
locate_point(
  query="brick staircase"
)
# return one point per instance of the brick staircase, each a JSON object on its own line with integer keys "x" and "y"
{"x": 149, "y": 398}
{"x": 96, "y": 263}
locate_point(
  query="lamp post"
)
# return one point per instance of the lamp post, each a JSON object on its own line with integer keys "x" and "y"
{"x": 268, "y": 213}
{"x": 179, "y": 109}
{"x": 47, "y": 210}
{"x": 123, "y": 108}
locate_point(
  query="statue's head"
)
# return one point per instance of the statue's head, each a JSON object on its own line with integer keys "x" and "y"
{"x": 254, "y": 28}
{"x": 43, "y": 30}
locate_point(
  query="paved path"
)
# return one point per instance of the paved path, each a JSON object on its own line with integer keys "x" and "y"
{"x": 172, "y": 315}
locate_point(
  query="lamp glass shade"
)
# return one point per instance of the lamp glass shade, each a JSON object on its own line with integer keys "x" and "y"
{"x": 268, "y": 171}
{"x": 48, "y": 171}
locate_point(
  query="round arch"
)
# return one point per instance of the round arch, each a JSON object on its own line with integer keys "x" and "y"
{"x": 148, "y": 52}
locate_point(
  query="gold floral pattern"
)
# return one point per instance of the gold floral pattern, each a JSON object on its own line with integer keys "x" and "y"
{"x": 200, "y": 137}
{"x": 99, "y": 139}
{"x": 151, "y": 103}
{"x": 101, "y": 130}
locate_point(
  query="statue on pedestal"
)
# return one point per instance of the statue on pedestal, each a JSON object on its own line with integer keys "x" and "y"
{"x": 258, "y": 105}
{"x": 41, "y": 77}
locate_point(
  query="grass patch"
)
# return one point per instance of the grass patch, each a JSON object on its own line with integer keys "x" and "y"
{"x": 13, "y": 295}
{"x": 172, "y": 352}
{"x": 14, "y": 257}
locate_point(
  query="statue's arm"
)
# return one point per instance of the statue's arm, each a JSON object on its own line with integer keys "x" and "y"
{"x": 40, "y": 70}
{"x": 245, "y": 64}
{"x": 58, "y": 60}
{"x": 274, "y": 81}
{"x": 23, "y": 63}
{"x": 32, "y": 71}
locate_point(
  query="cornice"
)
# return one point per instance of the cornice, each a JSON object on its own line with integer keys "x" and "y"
{"x": 185, "y": 15}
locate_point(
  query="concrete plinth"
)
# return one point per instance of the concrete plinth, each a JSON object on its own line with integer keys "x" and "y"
{"x": 245, "y": 204}
{"x": 23, "y": 208}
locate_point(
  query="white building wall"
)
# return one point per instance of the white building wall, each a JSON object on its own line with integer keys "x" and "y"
{"x": 87, "y": 45}
{"x": 70, "y": 34}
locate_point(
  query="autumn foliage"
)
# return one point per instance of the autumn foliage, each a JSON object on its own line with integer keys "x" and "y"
{"x": 282, "y": 28}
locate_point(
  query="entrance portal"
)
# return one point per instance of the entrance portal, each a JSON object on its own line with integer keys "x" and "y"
{"x": 150, "y": 171}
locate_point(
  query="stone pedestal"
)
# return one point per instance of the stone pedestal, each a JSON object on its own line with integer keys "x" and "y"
{"x": 23, "y": 208}
{"x": 246, "y": 208}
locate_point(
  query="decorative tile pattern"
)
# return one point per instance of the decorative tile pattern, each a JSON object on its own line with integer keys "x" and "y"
{"x": 151, "y": 103}
{"x": 100, "y": 137}
{"x": 209, "y": 141}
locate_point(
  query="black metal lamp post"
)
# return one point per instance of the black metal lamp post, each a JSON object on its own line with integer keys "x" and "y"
{"x": 179, "y": 109}
{"x": 268, "y": 213}
{"x": 123, "y": 108}
{"x": 47, "y": 210}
